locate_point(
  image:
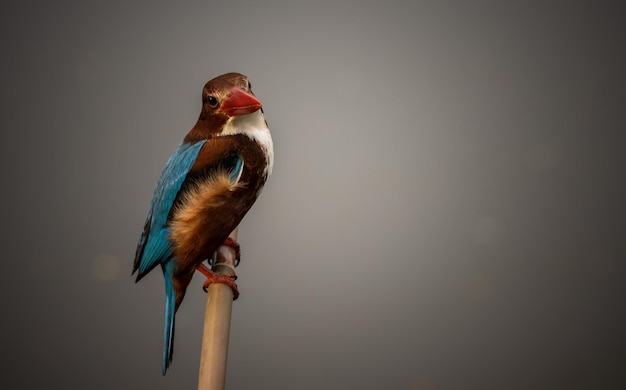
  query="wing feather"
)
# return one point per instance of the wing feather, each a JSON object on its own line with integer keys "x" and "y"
{"x": 154, "y": 246}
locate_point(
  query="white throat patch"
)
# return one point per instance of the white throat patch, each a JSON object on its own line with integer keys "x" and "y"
{"x": 254, "y": 126}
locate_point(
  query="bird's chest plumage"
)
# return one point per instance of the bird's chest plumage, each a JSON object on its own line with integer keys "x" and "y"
{"x": 213, "y": 201}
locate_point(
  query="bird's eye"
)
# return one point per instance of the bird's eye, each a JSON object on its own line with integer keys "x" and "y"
{"x": 212, "y": 100}
{"x": 249, "y": 86}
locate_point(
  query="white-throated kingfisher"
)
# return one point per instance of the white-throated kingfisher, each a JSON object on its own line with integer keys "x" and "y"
{"x": 209, "y": 183}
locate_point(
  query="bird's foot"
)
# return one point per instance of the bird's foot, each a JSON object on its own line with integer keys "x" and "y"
{"x": 212, "y": 277}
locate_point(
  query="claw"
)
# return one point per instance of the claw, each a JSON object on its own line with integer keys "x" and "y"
{"x": 212, "y": 277}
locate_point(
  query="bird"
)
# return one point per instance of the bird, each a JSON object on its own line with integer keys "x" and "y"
{"x": 207, "y": 186}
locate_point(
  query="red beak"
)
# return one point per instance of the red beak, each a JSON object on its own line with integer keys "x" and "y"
{"x": 240, "y": 102}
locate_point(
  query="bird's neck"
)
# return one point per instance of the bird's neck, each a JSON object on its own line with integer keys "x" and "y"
{"x": 206, "y": 127}
{"x": 252, "y": 125}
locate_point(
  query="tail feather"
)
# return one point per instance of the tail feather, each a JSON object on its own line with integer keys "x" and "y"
{"x": 170, "y": 309}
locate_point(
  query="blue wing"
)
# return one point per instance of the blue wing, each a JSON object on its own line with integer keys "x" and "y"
{"x": 154, "y": 246}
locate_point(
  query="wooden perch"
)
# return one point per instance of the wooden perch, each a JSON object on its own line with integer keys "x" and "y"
{"x": 217, "y": 323}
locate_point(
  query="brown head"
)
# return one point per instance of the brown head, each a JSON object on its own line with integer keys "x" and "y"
{"x": 224, "y": 97}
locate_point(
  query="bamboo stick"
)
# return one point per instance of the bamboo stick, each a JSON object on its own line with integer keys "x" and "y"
{"x": 217, "y": 323}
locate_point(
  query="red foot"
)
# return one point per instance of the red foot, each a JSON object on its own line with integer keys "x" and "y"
{"x": 212, "y": 277}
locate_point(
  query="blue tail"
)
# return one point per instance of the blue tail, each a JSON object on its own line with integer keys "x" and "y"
{"x": 170, "y": 308}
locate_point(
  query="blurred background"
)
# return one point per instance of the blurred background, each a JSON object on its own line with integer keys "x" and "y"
{"x": 447, "y": 209}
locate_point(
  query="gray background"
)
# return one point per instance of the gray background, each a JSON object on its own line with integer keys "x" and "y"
{"x": 446, "y": 210}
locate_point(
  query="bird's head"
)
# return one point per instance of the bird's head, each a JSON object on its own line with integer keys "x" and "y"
{"x": 224, "y": 98}
{"x": 229, "y": 95}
